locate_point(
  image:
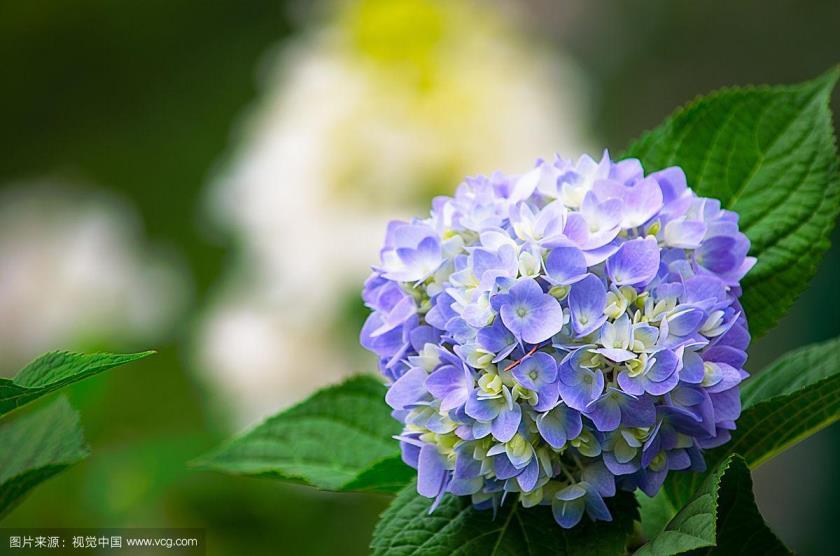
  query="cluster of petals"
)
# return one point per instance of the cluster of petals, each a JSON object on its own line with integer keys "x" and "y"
{"x": 561, "y": 334}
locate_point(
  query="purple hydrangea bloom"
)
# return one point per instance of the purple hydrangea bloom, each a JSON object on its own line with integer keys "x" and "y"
{"x": 561, "y": 334}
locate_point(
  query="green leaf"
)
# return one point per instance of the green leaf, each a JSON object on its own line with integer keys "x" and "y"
{"x": 769, "y": 154}
{"x": 656, "y": 512}
{"x": 56, "y": 370}
{"x": 338, "y": 439}
{"x": 721, "y": 518}
{"x": 406, "y": 528}
{"x": 388, "y": 475}
{"x": 35, "y": 447}
{"x": 792, "y": 399}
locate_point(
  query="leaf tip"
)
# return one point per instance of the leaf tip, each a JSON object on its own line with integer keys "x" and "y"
{"x": 827, "y": 81}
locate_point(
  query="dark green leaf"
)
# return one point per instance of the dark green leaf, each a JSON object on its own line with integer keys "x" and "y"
{"x": 721, "y": 518}
{"x": 338, "y": 439}
{"x": 389, "y": 475}
{"x": 793, "y": 398}
{"x": 56, "y": 370}
{"x": 407, "y": 529}
{"x": 769, "y": 154}
{"x": 35, "y": 447}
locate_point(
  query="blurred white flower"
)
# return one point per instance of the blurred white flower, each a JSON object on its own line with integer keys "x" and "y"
{"x": 276, "y": 362}
{"x": 362, "y": 120}
{"x": 74, "y": 273}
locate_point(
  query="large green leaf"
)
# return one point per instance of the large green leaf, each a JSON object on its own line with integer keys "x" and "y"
{"x": 338, "y": 439}
{"x": 790, "y": 400}
{"x": 769, "y": 154}
{"x": 407, "y": 528}
{"x": 35, "y": 447}
{"x": 56, "y": 370}
{"x": 721, "y": 518}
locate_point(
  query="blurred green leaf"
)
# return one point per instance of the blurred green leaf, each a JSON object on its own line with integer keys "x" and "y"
{"x": 35, "y": 447}
{"x": 56, "y": 370}
{"x": 792, "y": 399}
{"x": 338, "y": 439}
{"x": 721, "y": 518}
{"x": 455, "y": 527}
{"x": 769, "y": 154}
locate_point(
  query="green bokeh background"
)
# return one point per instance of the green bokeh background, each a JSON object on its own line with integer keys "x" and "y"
{"x": 142, "y": 97}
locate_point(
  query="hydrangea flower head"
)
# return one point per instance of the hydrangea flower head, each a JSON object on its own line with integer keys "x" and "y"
{"x": 561, "y": 334}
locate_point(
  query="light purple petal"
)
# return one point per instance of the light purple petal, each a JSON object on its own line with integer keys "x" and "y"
{"x": 530, "y": 314}
{"x": 605, "y": 412}
{"x": 692, "y": 368}
{"x": 703, "y": 290}
{"x": 503, "y": 468}
{"x": 577, "y": 230}
{"x": 684, "y": 234}
{"x": 409, "y": 389}
{"x": 635, "y": 262}
{"x": 559, "y": 425}
{"x": 616, "y": 355}
{"x": 665, "y": 365}
{"x": 549, "y": 395}
{"x": 430, "y": 472}
{"x": 686, "y": 322}
{"x": 451, "y": 385}
{"x": 565, "y": 265}
{"x": 587, "y": 300}
{"x": 535, "y": 371}
{"x": 631, "y": 385}
{"x": 579, "y": 386}
{"x": 602, "y": 217}
{"x": 483, "y": 409}
{"x": 506, "y": 424}
{"x": 529, "y": 476}
{"x": 726, "y": 404}
{"x": 641, "y": 203}
{"x": 597, "y": 256}
{"x": 662, "y": 387}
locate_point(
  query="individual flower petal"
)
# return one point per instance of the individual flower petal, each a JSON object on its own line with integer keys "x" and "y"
{"x": 684, "y": 234}
{"x": 568, "y": 506}
{"x": 579, "y": 386}
{"x": 565, "y": 265}
{"x": 497, "y": 339}
{"x": 415, "y": 253}
{"x": 635, "y": 262}
{"x": 483, "y": 409}
{"x": 602, "y": 220}
{"x": 506, "y": 424}
{"x": 409, "y": 389}
{"x": 451, "y": 385}
{"x": 558, "y": 425}
{"x": 430, "y": 472}
{"x": 640, "y": 201}
{"x": 587, "y": 299}
{"x": 536, "y": 370}
{"x": 530, "y": 314}
{"x": 528, "y": 478}
{"x": 615, "y": 407}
